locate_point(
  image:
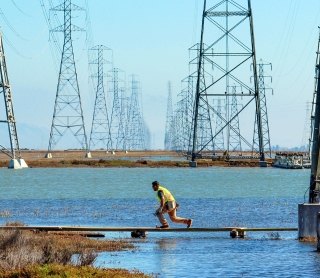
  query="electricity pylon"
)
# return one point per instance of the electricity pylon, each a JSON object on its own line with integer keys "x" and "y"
{"x": 100, "y": 130}
{"x": 234, "y": 132}
{"x": 226, "y": 52}
{"x": 68, "y": 114}
{"x": 183, "y": 115}
{"x": 9, "y": 119}
{"x": 264, "y": 113}
{"x": 168, "y": 138}
{"x": 314, "y": 188}
{"x": 135, "y": 134}
{"x": 219, "y": 141}
{"x": 118, "y": 118}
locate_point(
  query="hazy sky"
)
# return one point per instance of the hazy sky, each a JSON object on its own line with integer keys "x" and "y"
{"x": 151, "y": 39}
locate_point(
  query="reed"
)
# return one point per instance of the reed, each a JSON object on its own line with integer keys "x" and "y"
{"x": 35, "y": 254}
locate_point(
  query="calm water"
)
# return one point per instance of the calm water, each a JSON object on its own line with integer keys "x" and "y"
{"x": 213, "y": 197}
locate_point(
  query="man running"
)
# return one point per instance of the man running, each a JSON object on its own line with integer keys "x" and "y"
{"x": 167, "y": 205}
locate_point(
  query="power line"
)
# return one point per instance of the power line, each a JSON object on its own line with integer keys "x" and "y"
{"x": 10, "y": 26}
{"x": 19, "y": 9}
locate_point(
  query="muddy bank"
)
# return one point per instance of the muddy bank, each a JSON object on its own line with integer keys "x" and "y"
{"x": 63, "y": 159}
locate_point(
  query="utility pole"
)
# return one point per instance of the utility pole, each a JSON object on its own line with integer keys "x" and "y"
{"x": 9, "y": 120}
{"x": 100, "y": 130}
{"x": 68, "y": 114}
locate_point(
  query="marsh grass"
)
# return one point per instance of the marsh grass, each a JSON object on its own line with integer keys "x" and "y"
{"x": 58, "y": 271}
{"x": 25, "y": 253}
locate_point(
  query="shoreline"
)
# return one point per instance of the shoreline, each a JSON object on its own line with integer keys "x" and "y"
{"x": 132, "y": 159}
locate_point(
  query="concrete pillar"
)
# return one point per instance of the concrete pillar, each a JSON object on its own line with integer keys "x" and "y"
{"x": 23, "y": 164}
{"x": 88, "y": 155}
{"x": 48, "y": 155}
{"x": 14, "y": 164}
{"x": 307, "y": 221}
{"x": 17, "y": 164}
{"x": 263, "y": 164}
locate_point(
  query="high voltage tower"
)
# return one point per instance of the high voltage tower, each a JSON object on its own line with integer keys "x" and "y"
{"x": 264, "y": 112}
{"x": 306, "y": 135}
{"x": 314, "y": 189}
{"x": 100, "y": 135}
{"x": 136, "y": 135}
{"x": 8, "y": 118}
{"x": 169, "y": 128}
{"x": 219, "y": 141}
{"x": 225, "y": 55}
{"x": 118, "y": 118}
{"x": 68, "y": 114}
{"x": 234, "y": 139}
{"x": 180, "y": 126}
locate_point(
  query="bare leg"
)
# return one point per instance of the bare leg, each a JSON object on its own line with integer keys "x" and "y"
{"x": 176, "y": 219}
{"x": 162, "y": 219}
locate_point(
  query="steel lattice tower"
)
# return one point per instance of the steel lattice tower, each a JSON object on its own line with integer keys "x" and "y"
{"x": 68, "y": 114}
{"x": 218, "y": 140}
{"x": 314, "y": 97}
{"x": 306, "y": 138}
{"x": 234, "y": 131}
{"x": 136, "y": 137}
{"x": 100, "y": 130}
{"x": 9, "y": 119}
{"x": 264, "y": 113}
{"x": 227, "y": 50}
{"x": 203, "y": 121}
{"x": 314, "y": 188}
{"x": 174, "y": 129}
{"x": 186, "y": 109}
{"x": 118, "y": 116}
{"x": 169, "y": 136}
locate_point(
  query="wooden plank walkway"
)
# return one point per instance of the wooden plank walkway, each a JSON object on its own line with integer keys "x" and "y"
{"x": 145, "y": 229}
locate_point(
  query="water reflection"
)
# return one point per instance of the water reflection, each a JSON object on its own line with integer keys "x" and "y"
{"x": 165, "y": 255}
{"x": 166, "y": 244}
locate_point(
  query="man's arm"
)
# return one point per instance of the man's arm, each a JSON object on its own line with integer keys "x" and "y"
{"x": 162, "y": 201}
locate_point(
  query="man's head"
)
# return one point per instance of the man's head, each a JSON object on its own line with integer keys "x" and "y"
{"x": 155, "y": 185}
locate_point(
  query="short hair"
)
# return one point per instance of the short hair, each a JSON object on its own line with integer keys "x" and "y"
{"x": 155, "y": 183}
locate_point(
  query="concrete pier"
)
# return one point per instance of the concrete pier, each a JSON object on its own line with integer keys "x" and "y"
{"x": 14, "y": 164}
{"x": 307, "y": 221}
{"x": 193, "y": 164}
{"x": 17, "y": 164}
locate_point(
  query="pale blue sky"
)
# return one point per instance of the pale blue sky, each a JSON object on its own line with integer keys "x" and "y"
{"x": 151, "y": 39}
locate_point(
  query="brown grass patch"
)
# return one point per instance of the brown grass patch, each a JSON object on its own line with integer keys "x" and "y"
{"x": 26, "y": 253}
{"x": 58, "y": 271}
{"x": 76, "y": 158}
